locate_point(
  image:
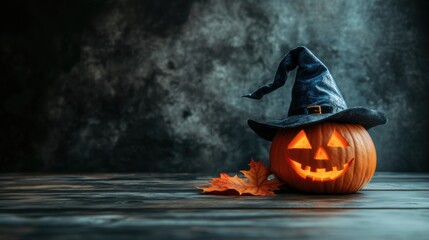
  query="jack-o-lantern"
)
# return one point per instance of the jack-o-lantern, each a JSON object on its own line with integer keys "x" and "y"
{"x": 324, "y": 158}
{"x": 322, "y": 146}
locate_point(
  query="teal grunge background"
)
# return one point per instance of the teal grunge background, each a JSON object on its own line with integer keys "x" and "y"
{"x": 155, "y": 86}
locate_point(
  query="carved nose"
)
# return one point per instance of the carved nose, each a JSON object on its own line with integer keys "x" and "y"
{"x": 321, "y": 154}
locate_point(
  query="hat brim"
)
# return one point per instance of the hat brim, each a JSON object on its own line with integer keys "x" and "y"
{"x": 368, "y": 118}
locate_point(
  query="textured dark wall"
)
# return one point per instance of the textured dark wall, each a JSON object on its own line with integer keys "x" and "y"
{"x": 155, "y": 85}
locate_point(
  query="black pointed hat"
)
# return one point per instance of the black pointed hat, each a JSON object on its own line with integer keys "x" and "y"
{"x": 315, "y": 97}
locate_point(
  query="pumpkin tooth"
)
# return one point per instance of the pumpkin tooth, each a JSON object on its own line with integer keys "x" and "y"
{"x": 312, "y": 169}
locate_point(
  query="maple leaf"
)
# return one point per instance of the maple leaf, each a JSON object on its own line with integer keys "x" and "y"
{"x": 257, "y": 182}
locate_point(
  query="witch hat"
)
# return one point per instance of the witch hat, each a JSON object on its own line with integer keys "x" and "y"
{"x": 315, "y": 97}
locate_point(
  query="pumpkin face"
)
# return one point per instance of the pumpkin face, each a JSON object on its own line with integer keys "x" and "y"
{"x": 324, "y": 158}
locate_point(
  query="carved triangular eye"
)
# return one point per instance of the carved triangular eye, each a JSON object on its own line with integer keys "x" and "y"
{"x": 300, "y": 141}
{"x": 337, "y": 140}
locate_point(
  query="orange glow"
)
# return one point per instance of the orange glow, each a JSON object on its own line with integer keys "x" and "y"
{"x": 320, "y": 175}
{"x": 300, "y": 141}
{"x": 321, "y": 154}
{"x": 337, "y": 140}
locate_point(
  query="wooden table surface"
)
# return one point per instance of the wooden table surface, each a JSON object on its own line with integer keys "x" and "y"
{"x": 167, "y": 206}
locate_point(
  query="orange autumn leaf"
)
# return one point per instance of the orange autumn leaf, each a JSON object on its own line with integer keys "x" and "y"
{"x": 257, "y": 182}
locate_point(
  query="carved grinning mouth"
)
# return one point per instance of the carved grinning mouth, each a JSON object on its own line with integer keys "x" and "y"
{"x": 320, "y": 174}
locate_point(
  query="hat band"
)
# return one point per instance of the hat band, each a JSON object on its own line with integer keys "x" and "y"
{"x": 316, "y": 109}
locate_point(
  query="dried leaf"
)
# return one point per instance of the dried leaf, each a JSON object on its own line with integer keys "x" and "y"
{"x": 257, "y": 182}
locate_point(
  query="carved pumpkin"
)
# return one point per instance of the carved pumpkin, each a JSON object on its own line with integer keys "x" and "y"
{"x": 324, "y": 158}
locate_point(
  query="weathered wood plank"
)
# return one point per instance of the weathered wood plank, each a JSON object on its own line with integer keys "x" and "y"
{"x": 151, "y": 191}
{"x": 167, "y": 206}
{"x": 120, "y": 182}
{"x": 195, "y": 200}
{"x": 219, "y": 224}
